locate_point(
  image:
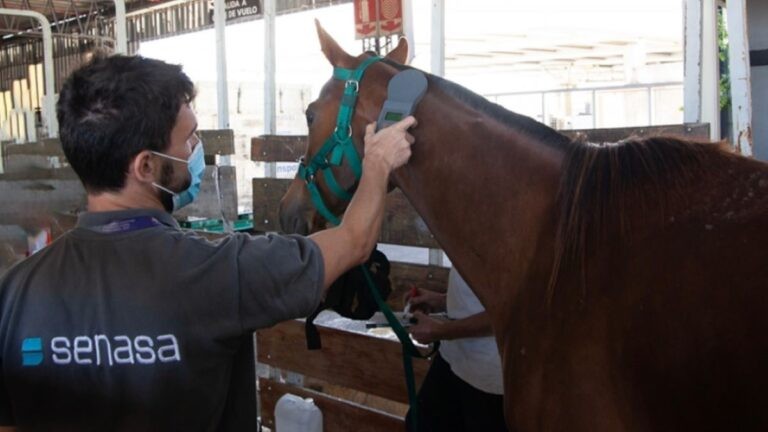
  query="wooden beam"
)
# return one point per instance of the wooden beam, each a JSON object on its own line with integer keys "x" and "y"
{"x": 697, "y": 131}
{"x": 15, "y": 163}
{"x": 339, "y": 415}
{"x": 46, "y": 147}
{"x": 402, "y": 225}
{"x": 218, "y": 141}
{"x": 357, "y": 361}
{"x": 278, "y": 148}
{"x": 45, "y": 154}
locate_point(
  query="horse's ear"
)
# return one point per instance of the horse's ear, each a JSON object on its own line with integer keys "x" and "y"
{"x": 331, "y": 49}
{"x": 400, "y": 53}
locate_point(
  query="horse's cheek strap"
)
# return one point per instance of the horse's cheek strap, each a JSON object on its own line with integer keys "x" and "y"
{"x": 317, "y": 200}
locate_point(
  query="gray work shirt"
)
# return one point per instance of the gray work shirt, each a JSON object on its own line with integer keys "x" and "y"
{"x": 111, "y": 328}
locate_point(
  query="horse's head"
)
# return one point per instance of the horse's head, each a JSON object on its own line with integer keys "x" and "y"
{"x": 330, "y": 168}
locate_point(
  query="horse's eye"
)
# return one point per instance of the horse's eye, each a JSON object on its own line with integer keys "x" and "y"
{"x": 310, "y": 117}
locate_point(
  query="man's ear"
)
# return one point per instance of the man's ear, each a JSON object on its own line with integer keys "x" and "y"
{"x": 144, "y": 167}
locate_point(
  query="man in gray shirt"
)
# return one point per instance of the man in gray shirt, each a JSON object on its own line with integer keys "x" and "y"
{"x": 128, "y": 323}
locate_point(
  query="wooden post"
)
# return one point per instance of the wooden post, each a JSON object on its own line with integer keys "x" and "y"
{"x": 438, "y": 37}
{"x": 270, "y": 127}
{"x": 222, "y": 97}
{"x": 701, "y": 102}
{"x": 738, "y": 64}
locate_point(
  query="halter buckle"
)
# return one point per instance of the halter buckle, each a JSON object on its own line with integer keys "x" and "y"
{"x": 352, "y": 83}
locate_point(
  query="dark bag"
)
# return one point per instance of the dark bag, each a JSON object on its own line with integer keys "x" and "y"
{"x": 351, "y": 297}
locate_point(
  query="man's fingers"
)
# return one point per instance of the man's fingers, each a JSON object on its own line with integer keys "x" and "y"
{"x": 410, "y": 138}
{"x": 406, "y": 123}
{"x": 370, "y": 130}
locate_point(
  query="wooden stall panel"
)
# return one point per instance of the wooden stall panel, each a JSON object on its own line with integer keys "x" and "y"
{"x": 214, "y": 202}
{"x": 267, "y": 193}
{"x": 402, "y": 225}
{"x": 36, "y": 191}
{"x": 35, "y": 194}
{"x": 45, "y": 154}
{"x": 218, "y": 141}
{"x": 403, "y": 276}
{"x": 278, "y": 148}
{"x": 360, "y": 362}
{"x": 339, "y": 415}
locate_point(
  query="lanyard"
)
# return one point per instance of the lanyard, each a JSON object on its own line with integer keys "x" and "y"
{"x": 127, "y": 225}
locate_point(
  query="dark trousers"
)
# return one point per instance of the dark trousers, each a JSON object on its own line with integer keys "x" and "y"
{"x": 447, "y": 403}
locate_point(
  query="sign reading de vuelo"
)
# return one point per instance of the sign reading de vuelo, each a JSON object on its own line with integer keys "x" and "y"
{"x": 242, "y": 8}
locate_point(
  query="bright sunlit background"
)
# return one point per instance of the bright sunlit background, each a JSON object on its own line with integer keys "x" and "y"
{"x": 509, "y": 51}
{"x": 571, "y": 65}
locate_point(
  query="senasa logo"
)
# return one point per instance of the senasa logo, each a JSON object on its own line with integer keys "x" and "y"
{"x": 101, "y": 349}
{"x": 31, "y": 351}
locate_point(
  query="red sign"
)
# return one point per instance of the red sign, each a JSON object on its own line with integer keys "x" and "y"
{"x": 378, "y": 17}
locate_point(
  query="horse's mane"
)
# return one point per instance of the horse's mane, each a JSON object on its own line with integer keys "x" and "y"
{"x": 527, "y": 125}
{"x": 604, "y": 188}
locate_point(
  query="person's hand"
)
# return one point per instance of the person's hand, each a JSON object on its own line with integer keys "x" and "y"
{"x": 426, "y": 330}
{"x": 391, "y": 145}
{"x": 426, "y": 300}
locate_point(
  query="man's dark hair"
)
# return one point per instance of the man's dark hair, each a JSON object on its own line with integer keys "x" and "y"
{"x": 115, "y": 107}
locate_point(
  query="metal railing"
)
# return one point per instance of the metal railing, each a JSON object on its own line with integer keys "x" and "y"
{"x": 545, "y": 112}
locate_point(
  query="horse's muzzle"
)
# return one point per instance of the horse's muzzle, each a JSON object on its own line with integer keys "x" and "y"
{"x": 293, "y": 218}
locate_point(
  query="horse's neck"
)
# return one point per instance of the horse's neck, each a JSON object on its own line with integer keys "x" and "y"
{"x": 487, "y": 194}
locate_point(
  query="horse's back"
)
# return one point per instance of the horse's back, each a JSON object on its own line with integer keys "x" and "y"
{"x": 690, "y": 319}
{"x": 669, "y": 331}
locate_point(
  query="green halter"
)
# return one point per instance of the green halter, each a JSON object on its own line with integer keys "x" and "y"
{"x": 339, "y": 145}
{"x": 332, "y": 153}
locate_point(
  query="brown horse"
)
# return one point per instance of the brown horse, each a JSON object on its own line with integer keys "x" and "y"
{"x": 627, "y": 283}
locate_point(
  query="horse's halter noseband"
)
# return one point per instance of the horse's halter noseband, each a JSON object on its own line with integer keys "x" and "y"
{"x": 338, "y": 145}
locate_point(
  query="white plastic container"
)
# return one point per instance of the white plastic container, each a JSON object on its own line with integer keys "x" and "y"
{"x": 294, "y": 414}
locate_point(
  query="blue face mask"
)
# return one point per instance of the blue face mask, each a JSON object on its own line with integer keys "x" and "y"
{"x": 196, "y": 167}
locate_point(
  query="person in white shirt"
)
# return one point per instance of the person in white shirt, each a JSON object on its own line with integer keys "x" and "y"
{"x": 463, "y": 390}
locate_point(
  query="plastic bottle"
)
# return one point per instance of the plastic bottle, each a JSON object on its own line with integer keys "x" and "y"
{"x": 294, "y": 414}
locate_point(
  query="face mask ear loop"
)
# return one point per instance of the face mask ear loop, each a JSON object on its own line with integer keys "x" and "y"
{"x": 164, "y": 189}
{"x": 173, "y": 158}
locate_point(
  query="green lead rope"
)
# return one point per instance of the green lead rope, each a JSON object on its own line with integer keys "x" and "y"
{"x": 409, "y": 350}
